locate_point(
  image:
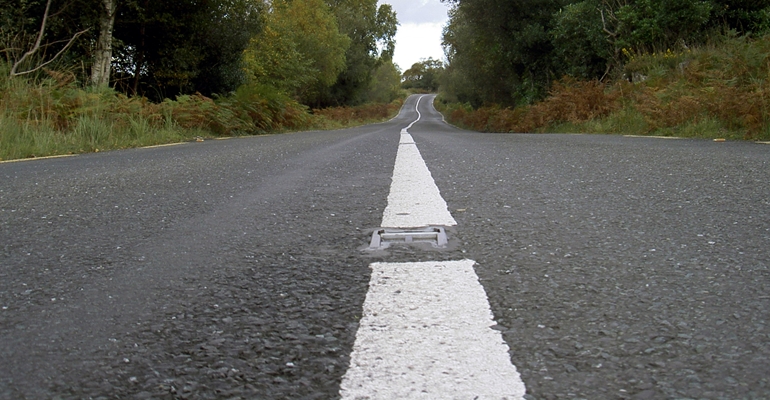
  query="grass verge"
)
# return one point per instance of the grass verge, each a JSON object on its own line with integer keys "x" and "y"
{"x": 53, "y": 116}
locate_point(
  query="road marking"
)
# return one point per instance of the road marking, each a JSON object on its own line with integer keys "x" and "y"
{"x": 74, "y": 155}
{"x": 15, "y": 160}
{"x": 426, "y": 333}
{"x": 414, "y": 199}
{"x": 654, "y": 137}
{"x": 419, "y": 116}
{"x": 426, "y": 330}
{"x": 162, "y": 145}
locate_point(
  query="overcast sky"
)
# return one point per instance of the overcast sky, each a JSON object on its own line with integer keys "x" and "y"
{"x": 419, "y": 35}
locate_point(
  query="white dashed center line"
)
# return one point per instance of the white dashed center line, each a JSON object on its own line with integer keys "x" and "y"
{"x": 414, "y": 200}
{"x": 426, "y": 330}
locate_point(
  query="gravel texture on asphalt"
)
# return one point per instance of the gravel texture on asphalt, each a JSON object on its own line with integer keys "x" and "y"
{"x": 223, "y": 269}
{"x": 620, "y": 268}
{"x": 616, "y": 267}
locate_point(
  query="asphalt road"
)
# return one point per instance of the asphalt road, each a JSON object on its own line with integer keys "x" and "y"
{"x": 616, "y": 268}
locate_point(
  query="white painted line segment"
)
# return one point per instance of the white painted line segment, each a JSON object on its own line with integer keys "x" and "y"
{"x": 425, "y": 334}
{"x": 406, "y": 138}
{"x": 163, "y": 145}
{"x": 419, "y": 116}
{"x": 654, "y": 137}
{"x": 426, "y": 331}
{"x": 414, "y": 199}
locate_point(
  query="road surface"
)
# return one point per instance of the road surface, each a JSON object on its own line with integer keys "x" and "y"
{"x": 615, "y": 267}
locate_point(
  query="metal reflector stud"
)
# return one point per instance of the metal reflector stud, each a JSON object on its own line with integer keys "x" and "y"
{"x": 384, "y": 237}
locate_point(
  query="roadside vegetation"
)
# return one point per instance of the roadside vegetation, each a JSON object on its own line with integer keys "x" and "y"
{"x": 715, "y": 91}
{"x": 183, "y": 70}
{"x": 55, "y": 117}
{"x": 644, "y": 67}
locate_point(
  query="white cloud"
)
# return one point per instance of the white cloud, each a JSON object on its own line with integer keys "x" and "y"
{"x": 411, "y": 11}
{"x": 417, "y": 41}
{"x": 419, "y": 35}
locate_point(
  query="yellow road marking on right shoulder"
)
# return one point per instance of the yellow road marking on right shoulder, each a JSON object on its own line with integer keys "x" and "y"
{"x": 652, "y": 136}
{"x": 162, "y": 145}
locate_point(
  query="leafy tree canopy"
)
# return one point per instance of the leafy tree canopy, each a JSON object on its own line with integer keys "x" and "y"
{"x": 509, "y": 51}
{"x": 321, "y": 52}
{"x": 301, "y": 50}
{"x": 165, "y": 48}
{"x": 385, "y": 84}
{"x": 161, "y": 48}
{"x": 371, "y": 30}
{"x": 423, "y": 75}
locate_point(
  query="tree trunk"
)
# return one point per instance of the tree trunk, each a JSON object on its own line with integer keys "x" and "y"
{"x": 100, "y": 71}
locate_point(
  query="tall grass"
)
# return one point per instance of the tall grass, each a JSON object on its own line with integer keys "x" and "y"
{"x": 719, "y": 90}
{"x": 53, "y": 115}
{"x": 336, "y": 117}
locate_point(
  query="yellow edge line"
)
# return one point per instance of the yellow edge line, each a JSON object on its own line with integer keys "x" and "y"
{"x": 162, "y": 145}
{"x": 73, "y": 155}
{"x": 762, "y": 142}
{"x": 36, "y": 158}
{"x": 654, "y": 137}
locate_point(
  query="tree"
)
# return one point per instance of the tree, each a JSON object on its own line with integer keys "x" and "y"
{"x": 231, "y": 26}
{"x": 300, "y": 52}
{"x": 501, "y": 48}
{"x": 371, "y": 31}
{"x": 650, "y": 24}
{"x": 100, "y": 70}
{"x": 509, "y": 51}
{"x": 749, "y": 16}
{"x": 15, "y": 33}
{"x": 385, "y": 84}
{"x": 166, "y": 48}
{"x": 581, "y": 45}
{"x": 424, "y": 75}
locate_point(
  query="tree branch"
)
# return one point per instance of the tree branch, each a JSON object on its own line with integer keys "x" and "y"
{"x": 37, "y": 46}
{"x": 54, "y": 57}
{"x": 604, "y": 26}
{"x": 61, "y": 10}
